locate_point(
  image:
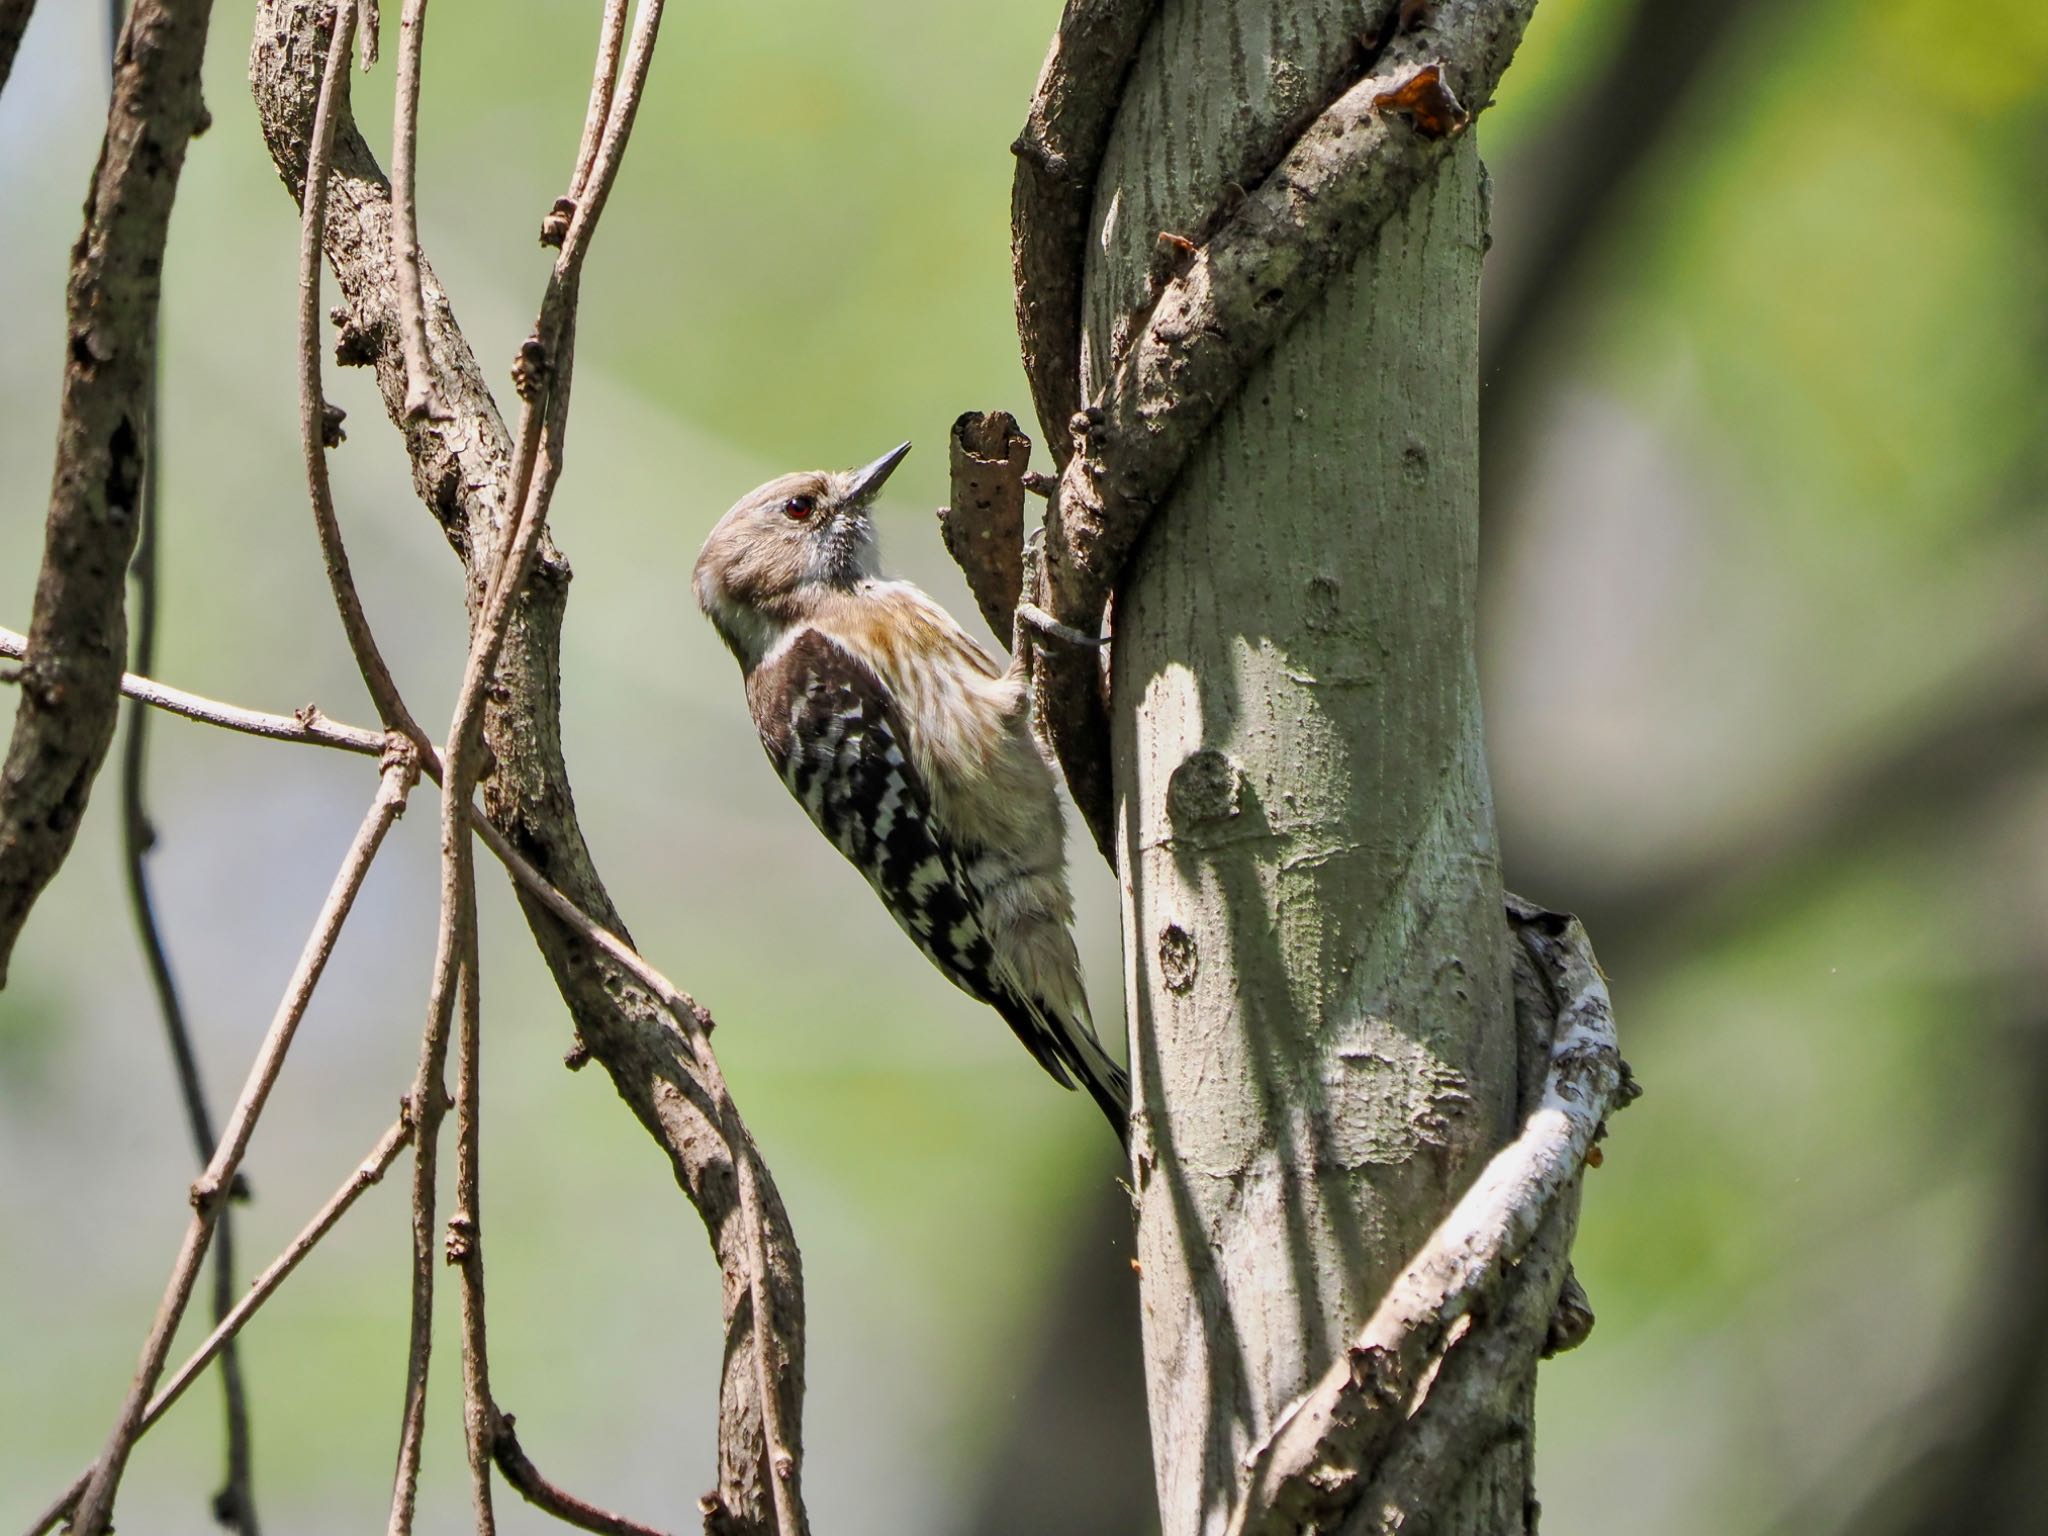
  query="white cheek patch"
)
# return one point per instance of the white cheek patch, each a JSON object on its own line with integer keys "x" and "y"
{"x": 750, "y": 634}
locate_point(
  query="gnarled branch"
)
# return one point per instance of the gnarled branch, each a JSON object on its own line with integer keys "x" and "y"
{"x": 463, "y": 469}
{"x": 78, "y": 634}
{"x": 1058, "y": 154}
{"x": 1352, "y": 168}
{"x": 1472, "y": 1276}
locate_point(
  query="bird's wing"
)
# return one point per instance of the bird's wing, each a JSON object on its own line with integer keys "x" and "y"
{"x": 834, "y": 734}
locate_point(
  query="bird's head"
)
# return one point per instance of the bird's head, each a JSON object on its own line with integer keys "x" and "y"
{"x": 786, "y": 541}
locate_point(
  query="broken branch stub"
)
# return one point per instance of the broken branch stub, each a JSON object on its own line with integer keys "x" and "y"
{"x": 984, "y": 526}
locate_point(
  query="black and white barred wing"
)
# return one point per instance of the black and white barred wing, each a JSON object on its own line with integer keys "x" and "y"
{"x": 835, "y": 735}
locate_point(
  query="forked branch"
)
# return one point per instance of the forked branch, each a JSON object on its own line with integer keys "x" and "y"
{"x": 308, "y": 725}
{"x": 95, "y": 1505}
{"x": 368, "y": 1173}
{"x": 488, "y": 488}
{"x": 312, "y": 728}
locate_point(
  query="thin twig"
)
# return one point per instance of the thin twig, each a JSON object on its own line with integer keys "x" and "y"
{"x": 401, "y": 767}
{"x": 611, "y": 37}
{"x": 369, "y": 22}
{"x": 367, "y": 1173}
{"x": 470, "y": 472}
{"x": 554, "y": 335}
{"x": 309, "y": 726}
{"x": 370, "y": 1171}
{"x": 547, "y": 358}
{"x": 527, "y": 1481}
{"x": 405, "y": 234}
{"x": 695, "y": 1023}
{"x": 691, "y": 1019}
{"x": 316, "y": 729}
{"x": 428, "y": 1090}
{"x": 312, "y": 398}
{"x": 429, "y": 1101}
{"x": 234, "y": 1504}
{"x": 531, "y": 491}
{"x": 466, "y": 1241}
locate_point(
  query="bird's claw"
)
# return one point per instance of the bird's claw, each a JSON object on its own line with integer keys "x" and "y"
{"x": 1037, "y": 618}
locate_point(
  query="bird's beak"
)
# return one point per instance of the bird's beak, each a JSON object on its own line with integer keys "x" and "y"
{"x": 868, "y": 480}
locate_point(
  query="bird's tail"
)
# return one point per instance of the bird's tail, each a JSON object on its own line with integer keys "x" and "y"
{"x": 1075, "y": 1052}
{"x": 1046, "y": 1004}
{"x": 1110, "y": 1087}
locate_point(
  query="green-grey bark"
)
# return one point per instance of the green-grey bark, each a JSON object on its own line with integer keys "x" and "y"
{"x": 1318, "y": 965}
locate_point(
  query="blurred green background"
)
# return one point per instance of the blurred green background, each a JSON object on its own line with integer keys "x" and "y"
{"x": 1768, "y": 702}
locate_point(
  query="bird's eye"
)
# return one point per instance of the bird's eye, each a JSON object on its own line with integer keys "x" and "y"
{"x": 798, "y": 509}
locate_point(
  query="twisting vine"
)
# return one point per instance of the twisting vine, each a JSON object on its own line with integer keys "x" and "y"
{"x": 234, "y": 1504}
{"x": 1403, "y": 1412}
{"x": 651, "y": 1037}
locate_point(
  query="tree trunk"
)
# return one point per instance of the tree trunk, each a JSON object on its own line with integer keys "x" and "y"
{"x": 1321, "y": 1016}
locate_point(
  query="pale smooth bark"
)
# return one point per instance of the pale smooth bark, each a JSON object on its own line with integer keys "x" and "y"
{"x": 1318, "y": 968}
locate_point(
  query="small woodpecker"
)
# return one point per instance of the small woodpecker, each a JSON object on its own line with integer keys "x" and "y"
{"x": 912, "y": 751}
